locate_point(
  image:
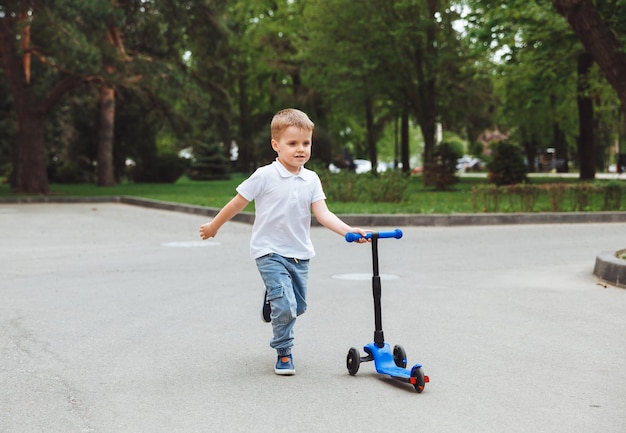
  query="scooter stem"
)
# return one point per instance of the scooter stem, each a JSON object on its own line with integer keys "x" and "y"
{"x": 379, "y": 338}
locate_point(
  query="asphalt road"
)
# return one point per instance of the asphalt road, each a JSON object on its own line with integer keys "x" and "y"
{"x": 116, "y": 318}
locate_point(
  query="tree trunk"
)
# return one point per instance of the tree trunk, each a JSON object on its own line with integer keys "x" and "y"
{"x": 427, "y": 115}
{"x": 404, "y": 143}
{"x": 427, "y": 73}
{"x": 560, "y": 147}
{"x": 428, "y": 127}
{"x": 559, "y": 142}
{"x": 106, "y": 129}
{"x": 371, "y": 135}
{"x": 244, "y": 144}
{"x": 600, "y": 41}
{"x": 29, "y": 169}
{"x": 530, "y": 149}
{"x": 31, "y": 175}
{"x": 586, "y": 153}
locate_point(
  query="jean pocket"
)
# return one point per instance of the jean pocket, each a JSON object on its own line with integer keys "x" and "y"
{"x": 275, "y": 293}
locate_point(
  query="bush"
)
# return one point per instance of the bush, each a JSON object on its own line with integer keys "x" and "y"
{"x": 613, "y": 192}
{"x": 210, "y": 163}
{"x": 582, "y": 196}
{"x": 71, "y": 172}
{"x": 440, "y": 172}
{"x": 389, "y": 186}
{"x": 486, "y": 198}
{"x": 167, "y": 168}
{"x": 170, "y": 167}
{"x": 556, "y": 195}
{"x": 507, "y": 166}
{"x": 340, "y": 187}
{"x": 476, "y": 148}
{"x": 560, "y": 197}
{"x": 523, "y": 197}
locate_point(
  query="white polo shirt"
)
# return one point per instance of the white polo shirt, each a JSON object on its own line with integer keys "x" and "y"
{"x": 282, "y": 222}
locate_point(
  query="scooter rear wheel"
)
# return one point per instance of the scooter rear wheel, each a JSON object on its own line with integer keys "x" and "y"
{"x": 399, "y": 356}
{"x": 420, "y": 381}
{"x": 353, "y": 361}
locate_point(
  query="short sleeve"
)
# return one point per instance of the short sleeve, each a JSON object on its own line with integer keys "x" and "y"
{"x": 252, "y": 186}
{"x": 318, "y": 191}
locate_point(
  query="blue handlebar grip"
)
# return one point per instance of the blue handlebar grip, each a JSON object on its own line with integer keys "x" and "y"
{"x": 397, "y": 233}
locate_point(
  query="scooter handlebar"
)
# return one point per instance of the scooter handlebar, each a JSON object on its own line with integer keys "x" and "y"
{"x": 397, "y": 233}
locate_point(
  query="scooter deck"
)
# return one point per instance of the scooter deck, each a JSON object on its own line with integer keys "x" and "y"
{"x": 384, "y": 362}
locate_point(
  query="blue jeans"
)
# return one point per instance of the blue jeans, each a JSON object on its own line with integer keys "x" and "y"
{"x": 286, "y": 282}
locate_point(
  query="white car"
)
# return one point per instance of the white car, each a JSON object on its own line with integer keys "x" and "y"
{"x": 361, "y": 166}
{"x": 469, "y": 163}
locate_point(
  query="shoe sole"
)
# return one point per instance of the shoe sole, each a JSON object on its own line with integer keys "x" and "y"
{"x": 266, "y": 316}
{"x": 266, "y": 311}
{"x": 284, "y": 372}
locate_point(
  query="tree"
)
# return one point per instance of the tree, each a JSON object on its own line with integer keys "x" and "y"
{"x": 344, "y": 64}
{"x": 7, "y": 127}
{"x": 586, "y": 142}
{"x": 348, "y": 64}
{"x": 384, "y": 60}
{"x": 106, "y": 125}
{"x": 35, "y": 88}
{"x": 266, "y": 72}
{"x": 210, "y": 163}
{"x": 50, "y": 48}
{"x": 540, "y": 81}
{"x": 165, "y": 61}
{"x": 106, "y": 129}
{"x": 598, "y": 24}
{"x": 416, "y": 37}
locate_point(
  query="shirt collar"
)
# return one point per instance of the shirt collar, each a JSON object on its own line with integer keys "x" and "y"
{"x": 286, "y": 173}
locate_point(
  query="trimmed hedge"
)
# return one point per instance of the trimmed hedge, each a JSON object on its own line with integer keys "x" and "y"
{"x": 560, "y": 197}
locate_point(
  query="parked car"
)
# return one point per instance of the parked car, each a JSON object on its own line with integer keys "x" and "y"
{"x": 360, "y": 166}
{"x": 469, "y": 163}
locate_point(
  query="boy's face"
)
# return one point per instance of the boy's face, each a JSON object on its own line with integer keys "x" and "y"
{"x": 293, "y": 148}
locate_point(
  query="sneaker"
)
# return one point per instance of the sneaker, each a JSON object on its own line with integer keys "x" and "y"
{"x": 284, "y": 366}
{"x": 266, "y": 311}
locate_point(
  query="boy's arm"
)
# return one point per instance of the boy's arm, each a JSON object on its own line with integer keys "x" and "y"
{"x": 332, "y": 221}
{"x": 236, "y": 205}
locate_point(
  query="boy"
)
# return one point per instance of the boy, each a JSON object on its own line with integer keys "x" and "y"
{"x": 285, "y": 194}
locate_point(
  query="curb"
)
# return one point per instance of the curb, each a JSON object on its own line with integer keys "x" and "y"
{"x": 443, "y": 220}
{"x": 610, "y": 268}
{"x": 398, "y": 220}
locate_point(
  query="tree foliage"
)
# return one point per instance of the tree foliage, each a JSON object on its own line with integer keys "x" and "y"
{"x": 601, "y": 26}
{"x": 209, "y": 163}
{"x": 537, "y": 55}
{"x": 209, "y": 73}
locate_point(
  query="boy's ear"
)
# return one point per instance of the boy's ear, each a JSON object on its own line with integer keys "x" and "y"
{"x": 274, "y": 145}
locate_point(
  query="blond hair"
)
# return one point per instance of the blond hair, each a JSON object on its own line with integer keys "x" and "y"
{"x": 290, "y": 117}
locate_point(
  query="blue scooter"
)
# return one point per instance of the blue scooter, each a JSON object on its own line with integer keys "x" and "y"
{"x": 387, "y": 362}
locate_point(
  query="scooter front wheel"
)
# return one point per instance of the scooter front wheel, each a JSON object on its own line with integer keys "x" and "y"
{"x": 353, "y": 361}
{"x": 399, "y": 356}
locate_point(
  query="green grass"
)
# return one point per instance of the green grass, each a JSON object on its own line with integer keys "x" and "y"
{"x": 202, "y": 193}
{"x": 418, "y": 200}
{"x": 218, "y": 193}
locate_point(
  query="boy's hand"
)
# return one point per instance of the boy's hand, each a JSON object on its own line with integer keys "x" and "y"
{"x": 362, "y": 233}
{"x": 207, "y": 231}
